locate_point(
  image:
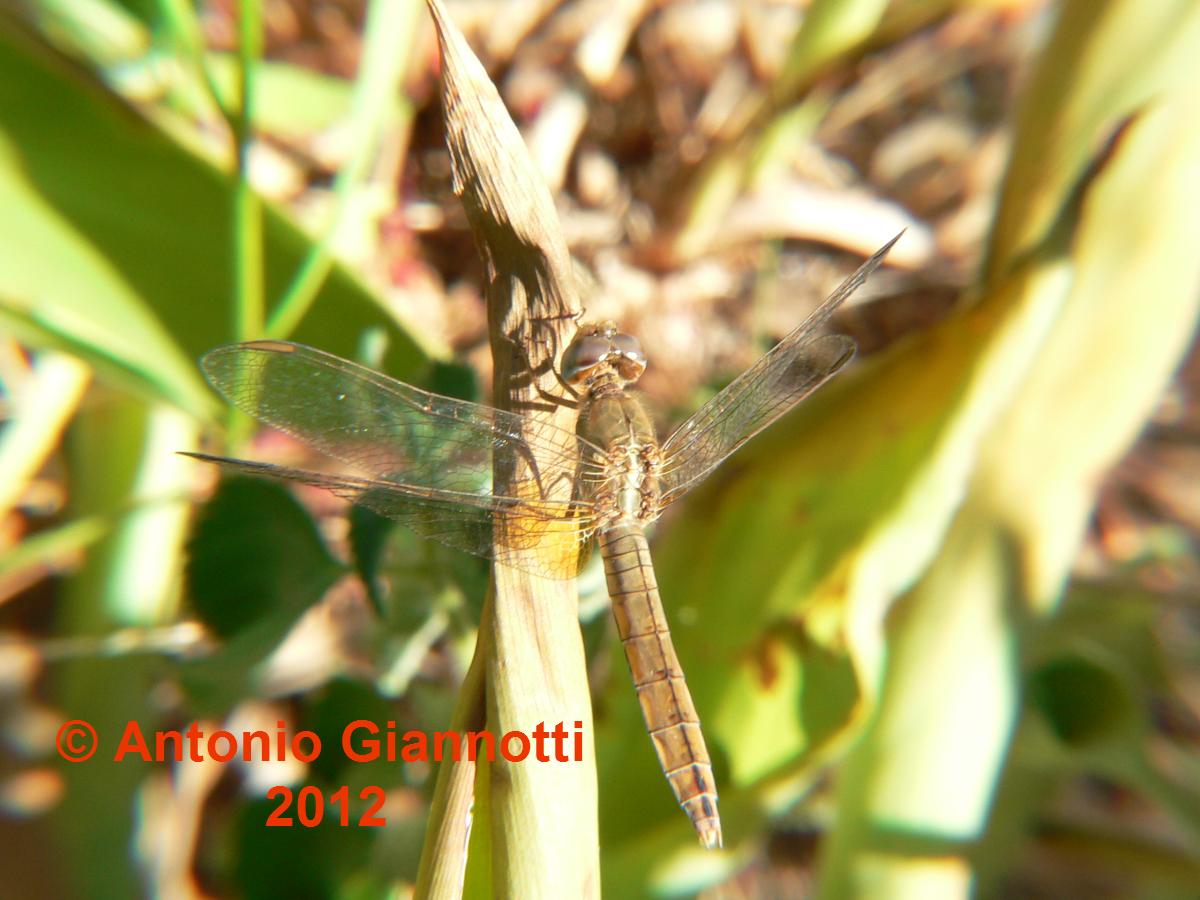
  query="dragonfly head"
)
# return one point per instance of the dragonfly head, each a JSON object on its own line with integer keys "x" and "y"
{"x": 600, "y": 350}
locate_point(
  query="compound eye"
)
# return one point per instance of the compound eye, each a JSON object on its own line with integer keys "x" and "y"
{"x": 632, "y": 363}
{"x": 584, "y": 354}
{"x": 628, "y": 345}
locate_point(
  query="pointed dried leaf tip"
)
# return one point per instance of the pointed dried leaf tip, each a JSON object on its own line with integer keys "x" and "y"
{"x": 511, "y": 211}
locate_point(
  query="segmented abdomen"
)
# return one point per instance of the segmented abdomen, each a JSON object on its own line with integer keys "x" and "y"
{"x": 662, "y": 692}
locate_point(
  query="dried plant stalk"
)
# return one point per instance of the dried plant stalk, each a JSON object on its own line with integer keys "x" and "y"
{"x": 541, "y": 815}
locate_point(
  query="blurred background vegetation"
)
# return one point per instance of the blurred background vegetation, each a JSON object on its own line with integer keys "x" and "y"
{"x": 941, "y": 624}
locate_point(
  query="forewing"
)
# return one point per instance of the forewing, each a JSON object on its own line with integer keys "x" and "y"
{"x": 792, "y": 370}
{"x": 460, "y": 520}
{"x": 390, "y": 430}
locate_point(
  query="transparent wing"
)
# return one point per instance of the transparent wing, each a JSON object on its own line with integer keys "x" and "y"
{"x": 429, "y": 460}
{"x": 792, "y": 370}
{"x": 463, "y": 521}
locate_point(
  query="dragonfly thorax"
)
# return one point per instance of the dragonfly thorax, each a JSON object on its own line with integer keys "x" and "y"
{"x": 602, "y": 358}
{"x": 627, "y": 489}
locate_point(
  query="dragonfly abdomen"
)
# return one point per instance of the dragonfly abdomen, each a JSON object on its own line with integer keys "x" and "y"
{"x": 663, "y": 694}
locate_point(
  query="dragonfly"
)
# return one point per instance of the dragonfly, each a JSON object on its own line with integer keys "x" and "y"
{"x": 490, "y": 481}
